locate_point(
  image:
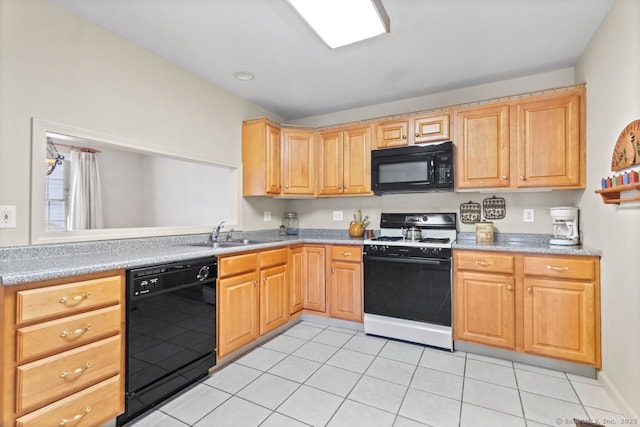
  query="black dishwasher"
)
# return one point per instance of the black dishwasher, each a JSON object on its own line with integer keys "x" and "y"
{"x": 171, "y": 330}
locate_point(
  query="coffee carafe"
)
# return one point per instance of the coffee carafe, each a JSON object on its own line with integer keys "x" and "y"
{"x": 565, "y": 226}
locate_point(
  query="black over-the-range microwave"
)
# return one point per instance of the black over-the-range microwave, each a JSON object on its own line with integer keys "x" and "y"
{"x": 418, "y": 168}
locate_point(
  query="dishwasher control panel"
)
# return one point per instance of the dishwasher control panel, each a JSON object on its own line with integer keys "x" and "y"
{"x": 163, "y": 278}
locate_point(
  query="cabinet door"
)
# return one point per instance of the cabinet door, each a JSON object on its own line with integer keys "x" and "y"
{"x": 482, "y": 143}
{"x": 549, "y": 142}
{"x": 261, "y": 159}
{"x": 392, "y": 134}
{"x": 274, "y": 301}
{"x": 314, "y": 294}
{"x": 295, "y": 279}
{"x": 484, "y": 309}
{"x": 330, "y": 178}
{"x": 237, "y": 312}
{"x": 299, "y": 163}
{"x": 431, "y": 128}
{"x": 345, "y": 290}
{"x": 559, "y": 319}
{"x": 357, "y": 161}
{"x": 273, "y": 161}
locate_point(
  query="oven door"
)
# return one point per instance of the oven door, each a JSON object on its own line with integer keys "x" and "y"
{"x": 408, "y": 288}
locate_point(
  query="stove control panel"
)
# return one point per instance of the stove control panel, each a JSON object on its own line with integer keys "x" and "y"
{"x": 407, "y": 251}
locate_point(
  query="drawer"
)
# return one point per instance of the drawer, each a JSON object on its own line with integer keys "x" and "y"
{"x": 346, "y": 253}
{"x": 580, "y": 268}
{"x": 51, "y": 301}
{"x": 90, "y": 407}
{"x": 484, "y": 261}
{"x": 61, "y": 334}
{"x": 273, "y": 257}
{"x": 237, "y": 264}
{"x": 45, "y": 380}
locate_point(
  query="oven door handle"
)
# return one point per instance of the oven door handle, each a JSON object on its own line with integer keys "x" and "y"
{"x": 442, "y": 262}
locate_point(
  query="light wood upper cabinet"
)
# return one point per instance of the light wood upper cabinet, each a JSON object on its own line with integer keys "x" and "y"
{"x": 345, "y": 161}
{"x": 299, "y": 162}
{"x": 392, "y": 134}
{"x": 431, "y": 128}
{"x": 261, "y": 159}
{"x": 549, "y": 142}
{"x": 482, "y": 147}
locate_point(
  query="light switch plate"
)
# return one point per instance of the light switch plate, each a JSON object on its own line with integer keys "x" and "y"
{"x": 267, "y": 215}
{"x": 7, "y": 217}
{"x": 337, "y": 215}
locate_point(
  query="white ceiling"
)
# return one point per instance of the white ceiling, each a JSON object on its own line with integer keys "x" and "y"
{"x": 433, "y": 46}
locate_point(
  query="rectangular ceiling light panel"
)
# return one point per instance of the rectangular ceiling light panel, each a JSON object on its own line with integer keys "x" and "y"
{"x": 342, "y": 22}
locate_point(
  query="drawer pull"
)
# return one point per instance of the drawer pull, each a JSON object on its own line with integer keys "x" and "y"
{"x": 76, "y": 332}
{"x": 76, "y": 417}
{"x": 77, "y": 298}
{"x": 551, "y": 267}
{"x": 345, "y": 253}
{"x": 483, "y": 263}
{"x": 76, "y": 371}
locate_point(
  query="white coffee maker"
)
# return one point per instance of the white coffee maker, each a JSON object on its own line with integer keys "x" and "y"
{"x": 565, "y": 226}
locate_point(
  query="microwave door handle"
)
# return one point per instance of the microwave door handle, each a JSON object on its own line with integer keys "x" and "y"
{"x": 432, "y": 171}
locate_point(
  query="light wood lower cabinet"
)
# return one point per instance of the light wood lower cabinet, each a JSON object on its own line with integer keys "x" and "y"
{"x": 252, "y": 297}
{"x": 63, "y": 351}
{"x": 546, "y": 305}
{"x": 314, "y": 286}
{"x": 345, "y": 283}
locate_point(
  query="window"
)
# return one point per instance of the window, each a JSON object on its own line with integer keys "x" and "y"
{"x": 57, "y": 198}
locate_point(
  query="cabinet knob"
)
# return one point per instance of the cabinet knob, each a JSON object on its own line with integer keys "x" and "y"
{"x": 505, "y": 177}
{"x": 417, "y": 135}
{"x": 333, "y": 270}
{"x": 509, "y": 287}
{"x": 286, "y": 186}
{"x": 404, "y": 136}
{"x": 522, "y": 178}
{"x": 529, "y": 289}
{"x": 255, "y": 282}
{"x": 264, "y": 280}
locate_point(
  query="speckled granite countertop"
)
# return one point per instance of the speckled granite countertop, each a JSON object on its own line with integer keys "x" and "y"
{"x": 24, "y": 264}
{"x": 42, "y": 262}
{"x": 524, "y": 243}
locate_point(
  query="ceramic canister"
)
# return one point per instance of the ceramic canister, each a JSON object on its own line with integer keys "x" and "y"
{"x": 484, "y": 232}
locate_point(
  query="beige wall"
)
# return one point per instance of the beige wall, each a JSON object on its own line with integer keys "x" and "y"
{"x": 58, "y": 67}
{"x": 611, "y": 65}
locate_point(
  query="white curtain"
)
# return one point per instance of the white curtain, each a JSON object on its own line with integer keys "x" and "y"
{"x": 85, "y": 200}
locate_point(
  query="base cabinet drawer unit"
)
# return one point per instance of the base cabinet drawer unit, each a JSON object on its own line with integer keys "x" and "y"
{"x": 545, "y": 305}
{"x": 63, "y": 357}
{"x": 252, "y": 297}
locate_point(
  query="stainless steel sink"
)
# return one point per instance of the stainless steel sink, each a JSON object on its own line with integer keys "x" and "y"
{"x": 229, "y": 243}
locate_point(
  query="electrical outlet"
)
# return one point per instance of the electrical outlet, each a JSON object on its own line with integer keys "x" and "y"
{"x": 7, "y": 217}
{"x": 267, "y": 215}
{"x": 528, "y": 215}
{"x": 337, "y": 215}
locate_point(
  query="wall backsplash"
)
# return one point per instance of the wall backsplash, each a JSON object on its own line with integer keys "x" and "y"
{"x": 318, "y": 213}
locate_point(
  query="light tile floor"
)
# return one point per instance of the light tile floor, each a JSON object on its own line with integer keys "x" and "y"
{"x": 318, "y": 375}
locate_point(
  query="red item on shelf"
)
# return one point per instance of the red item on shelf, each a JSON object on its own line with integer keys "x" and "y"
{"x": 609, "y": 183}
{"x": 633, "y": 176}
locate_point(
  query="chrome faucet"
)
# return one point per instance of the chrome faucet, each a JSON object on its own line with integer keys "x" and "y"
{"x": 216, "y": 232}
{"x": 229, "y": 235}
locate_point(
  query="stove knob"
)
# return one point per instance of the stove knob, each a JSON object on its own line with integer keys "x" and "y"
{"x": 373, "y": 248}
